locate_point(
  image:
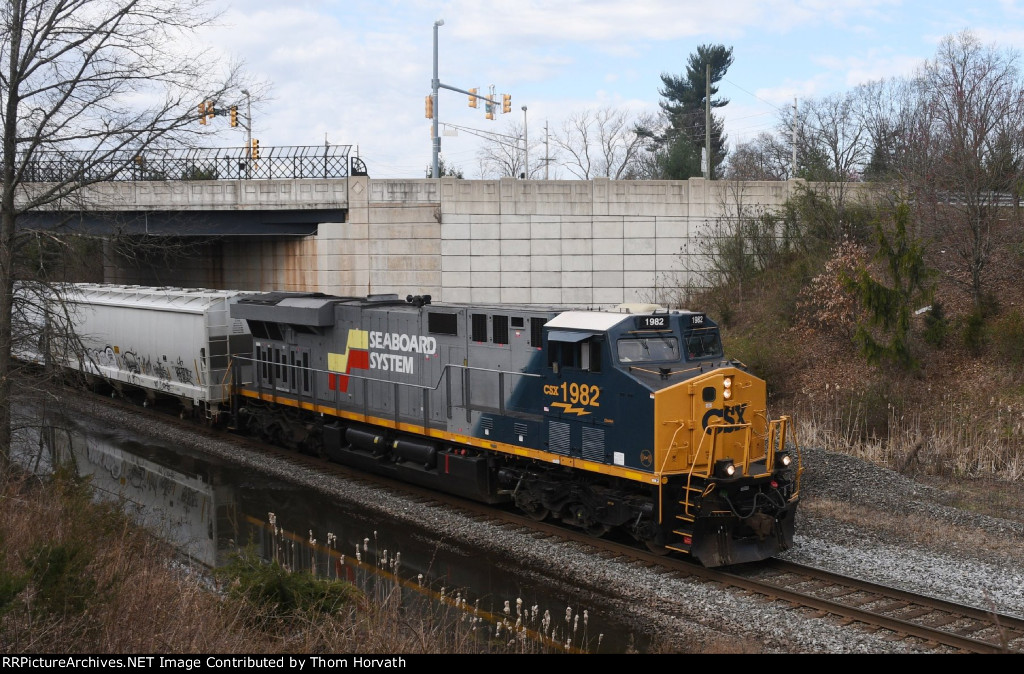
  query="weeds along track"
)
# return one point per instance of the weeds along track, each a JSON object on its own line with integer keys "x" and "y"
{"x": 850, "y": 602}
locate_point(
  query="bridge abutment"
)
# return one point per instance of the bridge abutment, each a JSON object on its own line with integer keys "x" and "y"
{"x": 568, "y": 242}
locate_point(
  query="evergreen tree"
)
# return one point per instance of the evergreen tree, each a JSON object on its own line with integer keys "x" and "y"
{"x": 890, "y": 307}
{"x": 446, "y": 170}
{"x": 684, "y": 107}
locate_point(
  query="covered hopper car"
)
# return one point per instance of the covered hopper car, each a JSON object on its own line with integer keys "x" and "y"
{"x": 168, "y": 342}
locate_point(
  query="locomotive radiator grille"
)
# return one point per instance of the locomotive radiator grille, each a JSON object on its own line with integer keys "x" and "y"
{"x": 593, "y": 444}
{"x": 558, "y": 437}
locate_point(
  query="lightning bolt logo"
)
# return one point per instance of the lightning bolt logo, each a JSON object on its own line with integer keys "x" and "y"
{"x": 356, "y": 357}
{"x": 569, "y": 409}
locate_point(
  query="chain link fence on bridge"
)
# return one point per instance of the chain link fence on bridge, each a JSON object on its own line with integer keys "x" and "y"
{"x": 233, "y": 163}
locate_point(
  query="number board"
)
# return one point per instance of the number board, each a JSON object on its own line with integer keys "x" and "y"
{"x": 696, "y": 319}
{"x": 660, "y": 322}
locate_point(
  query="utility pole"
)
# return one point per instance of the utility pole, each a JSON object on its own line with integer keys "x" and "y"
{"x": 547, "y": 150}
{"x": 792, "y": 166}
{"x": 707, "y": 120}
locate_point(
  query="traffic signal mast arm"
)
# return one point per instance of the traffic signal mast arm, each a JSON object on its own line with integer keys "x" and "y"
{"x": 474, "y": 95}
{"x": 208, "y": 110}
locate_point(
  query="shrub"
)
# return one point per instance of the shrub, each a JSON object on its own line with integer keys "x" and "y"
{"x": 60, "y": 576}
{"x": 1007, "y": 338}
{"x": 936, "y": 325}
{"x": 280, "y": 593}
{"x": 825, "y": 303}
{"x": 766, "y": 355}
{"x": 972, "y": 331}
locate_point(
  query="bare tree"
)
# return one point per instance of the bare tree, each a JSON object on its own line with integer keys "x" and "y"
{"x": 502, "y": 154}
{"x": 763, "y": 158}
{"x": 886, "y": 110}
{"x": 832, "y": 132}
{"x": 107, "y": 79}
{"x": 958, "y": 154}
{"x": 604, "y": 143}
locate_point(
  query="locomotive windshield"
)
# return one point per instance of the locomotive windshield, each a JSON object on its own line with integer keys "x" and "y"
{"x": 703, "y": 344}
{"x": 648, "y": 349}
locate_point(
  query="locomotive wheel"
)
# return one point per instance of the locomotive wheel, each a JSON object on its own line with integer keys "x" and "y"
{"x": 656, "y": 547}
{"x": 535, "y": 511}
{"x": 314, "y": 445}
{"x": 272, "y": 434}
{"x": 597, "y": 530}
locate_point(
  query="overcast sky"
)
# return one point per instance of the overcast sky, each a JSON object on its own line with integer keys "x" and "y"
{"x": 355, "y": 72}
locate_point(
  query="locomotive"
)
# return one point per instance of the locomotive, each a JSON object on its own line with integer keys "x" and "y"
{"x": 630, "y": 421}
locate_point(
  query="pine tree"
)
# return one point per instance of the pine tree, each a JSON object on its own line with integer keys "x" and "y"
{"x": 684, "y": 106}
{"x": 890, "y": 307}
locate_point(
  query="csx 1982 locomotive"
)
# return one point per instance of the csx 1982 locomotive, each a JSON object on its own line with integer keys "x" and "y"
{"x": 630, "y": 420}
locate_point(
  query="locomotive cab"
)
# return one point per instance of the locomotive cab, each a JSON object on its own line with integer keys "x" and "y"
{"x": 726, "y": 486}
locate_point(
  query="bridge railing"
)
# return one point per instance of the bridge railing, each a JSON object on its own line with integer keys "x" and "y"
{"x": 232, "y": 163}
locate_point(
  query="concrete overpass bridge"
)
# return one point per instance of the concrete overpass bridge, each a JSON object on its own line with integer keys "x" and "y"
{"x": 580, "y": 243}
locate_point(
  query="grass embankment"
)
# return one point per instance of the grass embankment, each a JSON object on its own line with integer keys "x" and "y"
{"x": 78, "y": 576}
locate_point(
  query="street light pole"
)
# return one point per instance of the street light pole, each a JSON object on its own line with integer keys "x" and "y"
{"x": 435, "y": 85}
{"x": 248, "y": 133}
{"x": 526, "y": 148}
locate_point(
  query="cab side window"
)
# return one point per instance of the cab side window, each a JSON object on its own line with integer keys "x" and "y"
{"x": 584, "y": 354}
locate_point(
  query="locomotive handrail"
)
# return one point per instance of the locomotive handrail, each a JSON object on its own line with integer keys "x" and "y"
{"x": 782, "y": 423}
{"x": 715, "y": 429}
{"x": 389, "y": 381}
{"x": 444, "y": 376}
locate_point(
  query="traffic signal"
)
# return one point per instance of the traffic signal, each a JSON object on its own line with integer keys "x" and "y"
{"x": 489, "y": 107}
{"x": 472, "y": 98}
{"x": 206, "y": 110}
{"x": 255, "y": 149}
{"x": 506, "y": 103}
{"x": 234, "y": 115}
{"x": 429, "y": 107}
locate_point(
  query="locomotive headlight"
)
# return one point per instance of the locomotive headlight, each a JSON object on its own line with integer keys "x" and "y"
{"x": 725, "y": 468}
{"x": 727, "y": 386}
{"x": 783, "y": 459}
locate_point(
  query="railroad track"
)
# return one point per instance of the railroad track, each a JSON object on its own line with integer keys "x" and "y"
{"x": 853, "y": 603}
{"x": 935, "y": 620}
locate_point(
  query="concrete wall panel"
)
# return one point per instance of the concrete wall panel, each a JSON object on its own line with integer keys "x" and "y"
{"x": 551, "y": 242}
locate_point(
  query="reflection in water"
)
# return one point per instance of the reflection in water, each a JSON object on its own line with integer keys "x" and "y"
{"x": 185, "y": 509}
{"x": 209, "y": 508}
